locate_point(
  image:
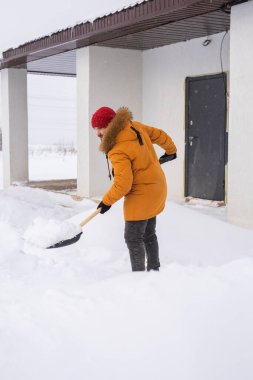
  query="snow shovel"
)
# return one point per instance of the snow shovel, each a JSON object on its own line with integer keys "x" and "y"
{"x": 64, "y": 243}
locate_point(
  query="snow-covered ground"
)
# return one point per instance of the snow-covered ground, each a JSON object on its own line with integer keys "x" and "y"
{"x": 80, "y": 313}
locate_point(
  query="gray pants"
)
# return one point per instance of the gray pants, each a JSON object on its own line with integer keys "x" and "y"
{"x": 141, "y": 240}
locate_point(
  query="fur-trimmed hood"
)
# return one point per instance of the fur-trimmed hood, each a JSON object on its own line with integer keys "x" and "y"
{"x": 117, "y": 124}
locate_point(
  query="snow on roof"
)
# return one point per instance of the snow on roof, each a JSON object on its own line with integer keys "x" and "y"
{"x": 80, "y": 22}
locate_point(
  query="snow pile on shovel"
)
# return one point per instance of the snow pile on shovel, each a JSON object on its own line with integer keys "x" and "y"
{"x": 44, "y": 233}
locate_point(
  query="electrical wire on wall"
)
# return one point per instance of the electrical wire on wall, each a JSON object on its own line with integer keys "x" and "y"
{"x": 226, "y": 94}
{"x": 221, "y": 62}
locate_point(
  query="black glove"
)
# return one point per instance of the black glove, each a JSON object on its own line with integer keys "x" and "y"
{"x": 167, "y": 157}
{"x": 103, "y": 207}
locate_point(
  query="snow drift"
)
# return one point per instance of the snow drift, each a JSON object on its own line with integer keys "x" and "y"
{"x": 80, "y": 313}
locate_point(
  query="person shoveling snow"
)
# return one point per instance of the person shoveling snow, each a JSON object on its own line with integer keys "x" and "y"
{"x": 138, "y": 177}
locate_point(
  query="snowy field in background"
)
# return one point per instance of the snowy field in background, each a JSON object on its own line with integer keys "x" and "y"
{"x": 52, "y": 162}
{"x": 49, "y": 162}
{"x": 80, "y": 313}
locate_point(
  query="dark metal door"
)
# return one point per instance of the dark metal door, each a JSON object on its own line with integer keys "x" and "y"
{"x": 206, "y": 137}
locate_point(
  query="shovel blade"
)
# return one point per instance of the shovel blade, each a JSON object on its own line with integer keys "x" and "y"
{"x": 64, "y": 243}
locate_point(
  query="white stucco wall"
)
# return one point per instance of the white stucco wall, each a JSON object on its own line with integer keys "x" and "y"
{"x": 164, "y": 73}
{"x": 105, "y": 77}
{"x": 240, "y": 169}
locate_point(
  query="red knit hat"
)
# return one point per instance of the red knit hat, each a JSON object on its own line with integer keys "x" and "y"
{"x": 102, "y": 117}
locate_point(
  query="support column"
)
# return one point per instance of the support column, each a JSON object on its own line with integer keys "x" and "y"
{"x": 14, "y": 126}
{"x": 105, "y": 77}
{"x": 240, "y": 160}
{"x": 83, "y": 117}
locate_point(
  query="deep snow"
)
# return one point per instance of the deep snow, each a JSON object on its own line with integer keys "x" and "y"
{"x": 44, "y": 233}
{"x": 79, "y": 312}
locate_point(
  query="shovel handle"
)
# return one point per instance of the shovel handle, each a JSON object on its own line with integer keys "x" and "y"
{"x": 90, "y": 217}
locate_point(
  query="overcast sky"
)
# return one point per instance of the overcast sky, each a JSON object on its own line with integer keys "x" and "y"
{"x": 22, "y": 21}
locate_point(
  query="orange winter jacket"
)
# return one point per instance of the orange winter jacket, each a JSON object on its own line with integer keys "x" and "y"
{"x": 138, "y": 175}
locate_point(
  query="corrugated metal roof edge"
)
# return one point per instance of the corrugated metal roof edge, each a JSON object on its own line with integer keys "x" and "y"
{"x": 70, "y": 28}
{"x": 121, "y": 17}
{"x": 67, "y": 39}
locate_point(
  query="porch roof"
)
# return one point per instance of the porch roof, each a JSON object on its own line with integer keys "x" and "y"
{"x": 145, "y": 25}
